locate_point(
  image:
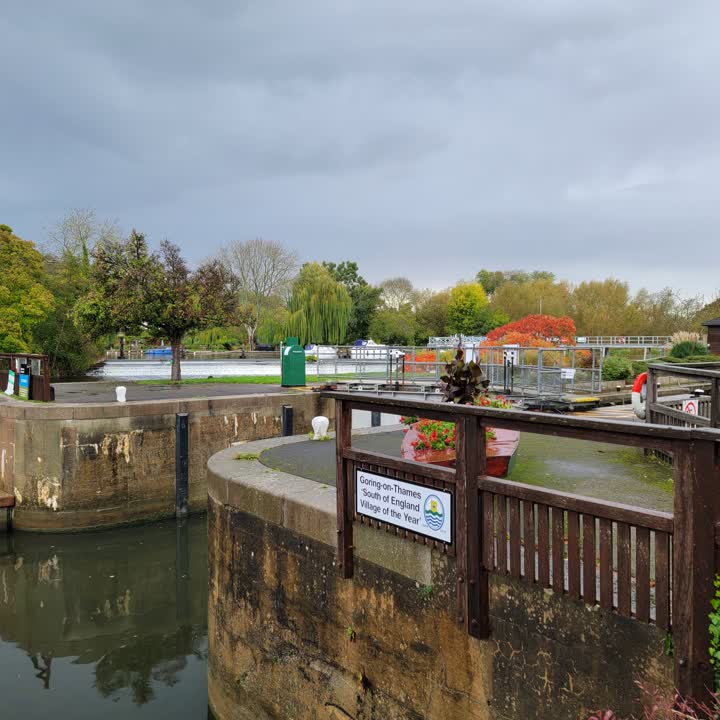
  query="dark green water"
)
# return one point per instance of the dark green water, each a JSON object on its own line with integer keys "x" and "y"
{"x": 105, "y": 625}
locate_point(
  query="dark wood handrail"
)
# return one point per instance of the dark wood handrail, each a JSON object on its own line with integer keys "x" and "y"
{"x": 610, "y": 431}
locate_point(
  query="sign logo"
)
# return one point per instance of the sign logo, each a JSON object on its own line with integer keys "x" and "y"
{"x": 434, "y": 512}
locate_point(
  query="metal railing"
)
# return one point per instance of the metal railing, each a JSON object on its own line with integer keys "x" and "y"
{"x": 541, "y": 371}
{"x": 625, "y": 340}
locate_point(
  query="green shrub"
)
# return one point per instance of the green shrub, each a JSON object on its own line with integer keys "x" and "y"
{"x": 617, "y": 367}
{"x": 311, "y": 358}
{"x": 692, "y": 359}
{"x": 688, "y": 348}
{"x": 639, "y": 366}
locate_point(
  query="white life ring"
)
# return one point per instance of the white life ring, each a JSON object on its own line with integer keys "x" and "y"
{"x": 639, "y": 393}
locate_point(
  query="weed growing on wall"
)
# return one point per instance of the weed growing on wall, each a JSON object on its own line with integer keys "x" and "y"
{"x": 714, "y": 629}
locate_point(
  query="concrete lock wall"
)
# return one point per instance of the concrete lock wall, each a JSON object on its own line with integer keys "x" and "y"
{"x": 80, "y": 466}
{"x": 289, "y": 639}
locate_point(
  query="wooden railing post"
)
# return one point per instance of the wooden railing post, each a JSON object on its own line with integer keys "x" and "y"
{"x": 696, "y": 510}
{"x": 343, "y": 440}
{"x": 472, "y": 581}
{"x": 715, "y": 403}
{"x": 651, "y": 396}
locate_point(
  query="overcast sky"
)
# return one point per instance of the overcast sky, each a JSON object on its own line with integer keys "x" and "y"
{"x": 420, "y": 138}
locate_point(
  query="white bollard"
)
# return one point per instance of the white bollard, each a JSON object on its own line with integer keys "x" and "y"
{"x": 120, "y": 391}
{"x": 320, "y": 425}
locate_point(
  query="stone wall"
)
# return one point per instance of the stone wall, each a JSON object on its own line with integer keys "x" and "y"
{"x": 288, "y": 639}
{"x": 79, "y": 466}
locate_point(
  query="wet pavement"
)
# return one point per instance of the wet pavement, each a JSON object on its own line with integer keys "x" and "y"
{"x": 104, "y": 392}
{"x": 608, "y": 472}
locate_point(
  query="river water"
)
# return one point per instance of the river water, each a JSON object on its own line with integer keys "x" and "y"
{"x": 107, "y": 625}
{"x": 160, "y": 369}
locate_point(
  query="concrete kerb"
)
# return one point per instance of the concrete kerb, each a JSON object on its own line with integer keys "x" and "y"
{"x": 306, "y": 507}
{"x": 18, "y": 409}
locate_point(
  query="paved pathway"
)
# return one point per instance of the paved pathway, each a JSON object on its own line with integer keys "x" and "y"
{"x": 103, "y": 392}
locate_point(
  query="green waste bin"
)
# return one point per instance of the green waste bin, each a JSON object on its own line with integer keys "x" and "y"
{"x": 292, "y": 363}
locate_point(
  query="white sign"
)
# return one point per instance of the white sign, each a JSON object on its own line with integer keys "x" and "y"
{"x": 690, "y": 406}
{"x": 10, "y": 389}
{"x": 423, "y": 510}
{"x": 510, "y": 354}
{"x": 567, "y": 374}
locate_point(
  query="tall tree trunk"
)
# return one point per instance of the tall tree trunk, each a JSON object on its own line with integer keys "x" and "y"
{"x": 250, "y": 330}
{"x": 175, "y": 370}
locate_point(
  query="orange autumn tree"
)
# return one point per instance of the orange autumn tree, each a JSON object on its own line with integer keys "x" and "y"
{"x": 535, "y": 331}
{"x": 540, "y": 331}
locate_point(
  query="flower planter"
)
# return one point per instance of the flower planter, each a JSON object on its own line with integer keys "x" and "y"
{"x": 501, "y": 451}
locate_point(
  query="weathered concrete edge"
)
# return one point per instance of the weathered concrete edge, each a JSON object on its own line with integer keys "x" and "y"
{"x": 94, "y": 411}
{"x": 306, "y": 507}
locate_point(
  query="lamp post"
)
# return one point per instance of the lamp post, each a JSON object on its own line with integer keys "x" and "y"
{"x": 121, "y": 341}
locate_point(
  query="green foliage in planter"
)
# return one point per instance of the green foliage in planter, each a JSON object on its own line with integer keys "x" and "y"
{"x": 617, "y": 367}
{"x": 462, "y": 382}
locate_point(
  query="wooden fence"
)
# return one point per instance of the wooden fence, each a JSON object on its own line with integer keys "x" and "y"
{"x": 650, "y": 566}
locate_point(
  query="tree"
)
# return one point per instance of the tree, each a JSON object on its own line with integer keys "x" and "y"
{"x": 600, "y": 307}
{"x": 432, "y": 316}
{"x": 540, "y": 327}
{"x": 707, "y": 312}
{"x": 465, "y": 309}
{"x": 263, "y": 269}
{"x": 319, "y": 306}
{"x": 78, "y": 233}
{"x": 67, "y": 268}
{"x": 24, "y": 299}
{"x": 135, "y": 289}
{"x": 272, "y": 327}
{"x": 365, "y": 298}
{"x": 661, "y": 313}
{"x": 394, "y": 327}
{"x": 534, "y": 296}
{"x": 396, "y": 292}
{"x": 491, "y": 280}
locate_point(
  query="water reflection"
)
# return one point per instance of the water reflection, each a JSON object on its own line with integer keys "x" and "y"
{"x": 110, "y": 624}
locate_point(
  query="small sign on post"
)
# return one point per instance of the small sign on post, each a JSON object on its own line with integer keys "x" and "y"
{"x": 24, "y": 386}
{"x": 567, "y": 374}
{"x": 691, "y": 406}
{"x": 423, "y": 510}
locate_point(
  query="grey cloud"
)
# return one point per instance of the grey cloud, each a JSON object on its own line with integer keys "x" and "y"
{"x": 574, "y": 136}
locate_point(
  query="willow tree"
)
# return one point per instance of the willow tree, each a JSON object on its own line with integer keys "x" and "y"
{"x": 319, "y": 307}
